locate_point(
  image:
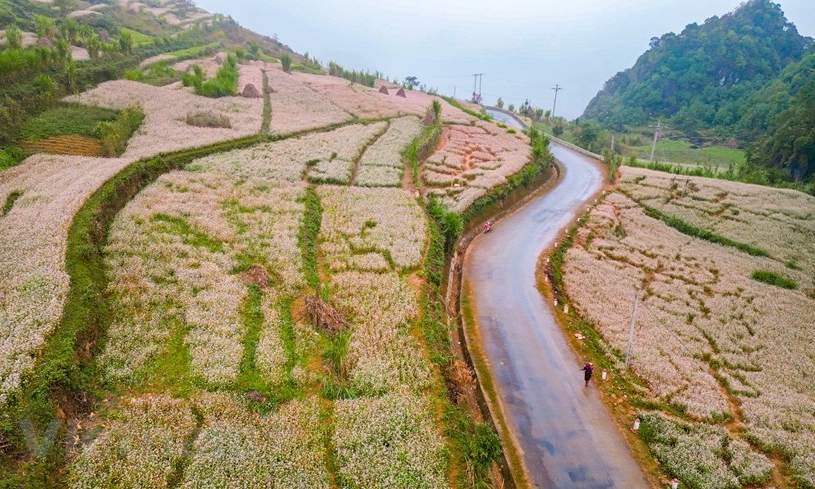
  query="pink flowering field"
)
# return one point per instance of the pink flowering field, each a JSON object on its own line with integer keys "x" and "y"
{"x": 471, "y": 160}
{"x": 708, "y": 335}
{"x": 208, "y": 361}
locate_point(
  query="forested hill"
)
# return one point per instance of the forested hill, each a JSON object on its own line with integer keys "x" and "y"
{"x": 706, "y": 77}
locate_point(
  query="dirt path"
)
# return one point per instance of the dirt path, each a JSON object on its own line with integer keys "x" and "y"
{"x": 565, "y": 433}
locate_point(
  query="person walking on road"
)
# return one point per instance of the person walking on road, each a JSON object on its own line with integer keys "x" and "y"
{"x": 588, "y": 369}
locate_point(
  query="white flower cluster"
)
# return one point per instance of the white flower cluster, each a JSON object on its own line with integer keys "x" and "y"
{"x": 173, "y": 252}
{"x": 233, "y": 446}
{"x": 139, "y": 449}
{"x": 701, "y": 310}
{"x": 270, "y": 355}
{"x": 296, "y": 107}
{"x": 333, "y": 155}
{"x": 50, "y": 189}
{"x": 367, "y": 103}
{"x": 382, "y": 354}
{"x": 381, "y": 165}
{"x": 240, "y": 448}
{"x": 471, "y": 160}
{"x": 704, "y": 456}
{"x": 779, "y": 221}
{"x": 164, "y": 128}
{"x": 361, "y": 221}
{"x": 388, "y": 442}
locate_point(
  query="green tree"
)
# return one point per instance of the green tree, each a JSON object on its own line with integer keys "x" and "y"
{"x": 126, "y": 42}
{"x": 14, "y": 37}
{"x": 46, "y": 27}
{"x": 790, "y": 143}
{"x": 93, "y": 46}
{"x": 285, "y": 60}
{"x": 500, "y": 103}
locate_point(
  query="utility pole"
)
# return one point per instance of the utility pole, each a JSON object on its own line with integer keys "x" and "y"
{"x": 657, "y": 129}
{"x": 631, "y": 329}
{"x": 556, "y": 88}
{"x": 477, "y": 85}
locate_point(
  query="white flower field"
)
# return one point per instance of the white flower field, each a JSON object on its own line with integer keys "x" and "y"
{"x": 710, "y": 339}
{"x": 212, "y": 373}
{"x": 471, "y": 160}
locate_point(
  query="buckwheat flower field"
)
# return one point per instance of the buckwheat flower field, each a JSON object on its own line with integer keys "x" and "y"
{"x": 238, "y": 447}
{"x": 396, "y": 432}
{"x": 46, "y": 191}
{"x": 381, "y": 165}
{"x": 708, "y": 334}
{"x": 211, "y": 371}
{"x": 372, "y": 220}
{"x": 369, "y": 103}
{"x": 139, "y": 449}
{"x": 172, "y": 252}
{"x": 471, "y": 160}
{"x": 296, "y": 107}
{"x": 165, "y": 128}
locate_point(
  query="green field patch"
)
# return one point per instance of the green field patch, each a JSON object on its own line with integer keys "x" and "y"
{"x": 66, "y": 119}
{"x": 190, "y": 235}
{"x": 193, "y": 51}
{"x": 773, "y": 278}
{"x": 139, "y": 39}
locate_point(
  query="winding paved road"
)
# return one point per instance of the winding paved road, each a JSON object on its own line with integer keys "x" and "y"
{"x": 566, "y": 435}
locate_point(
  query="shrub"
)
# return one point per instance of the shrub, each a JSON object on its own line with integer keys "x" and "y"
{"x": 207, "y": 119}
{"x": 285, "y": 60}
{"x": 114, "y": 135}
{"x": 773, "y": 278}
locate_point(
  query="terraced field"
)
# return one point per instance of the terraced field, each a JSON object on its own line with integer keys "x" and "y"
{"x": 218, "y": 367}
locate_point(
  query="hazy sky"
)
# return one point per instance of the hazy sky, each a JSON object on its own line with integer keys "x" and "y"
{"x": 522, "y": 47}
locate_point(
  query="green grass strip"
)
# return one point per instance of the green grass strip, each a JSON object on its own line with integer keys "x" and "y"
{"x": 773, "y": 278}
{"x": 307, "y": 235}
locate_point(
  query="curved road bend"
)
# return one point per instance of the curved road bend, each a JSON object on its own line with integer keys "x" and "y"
{"x": 566, "y": 435}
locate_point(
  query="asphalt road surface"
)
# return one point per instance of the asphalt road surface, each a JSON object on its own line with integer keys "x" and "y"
{"x": 566, "y": 435}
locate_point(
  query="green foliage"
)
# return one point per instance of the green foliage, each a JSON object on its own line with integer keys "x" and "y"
{"x": 285, "y": 60}
{"x": 10, "y": 200}
{"x": 699, "y": 78}
{"x": 66, "y": 118}
{"x": 450, "y": 223}
{"x": 484, "y": 447}
{"x": 613, "y": 161}
{"x": 225, "y": 82}
{"x": 14, "y": 37}
{"x": 773, "y": 278}
{"x": 790, "y": 144}
{"x": 455, "y": 103}
{"x": 11, "y": 156}
{"x": 114, "y": 135}
{"x": 364, "y": 78}
{"x": 307, "y": 235}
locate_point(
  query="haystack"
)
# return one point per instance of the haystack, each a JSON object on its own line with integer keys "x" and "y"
{"x": 323, "y": 315}
{"x": 383, "y": 89}
{"x": 249, "y": 91}
{"x": 401, "y": 93}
